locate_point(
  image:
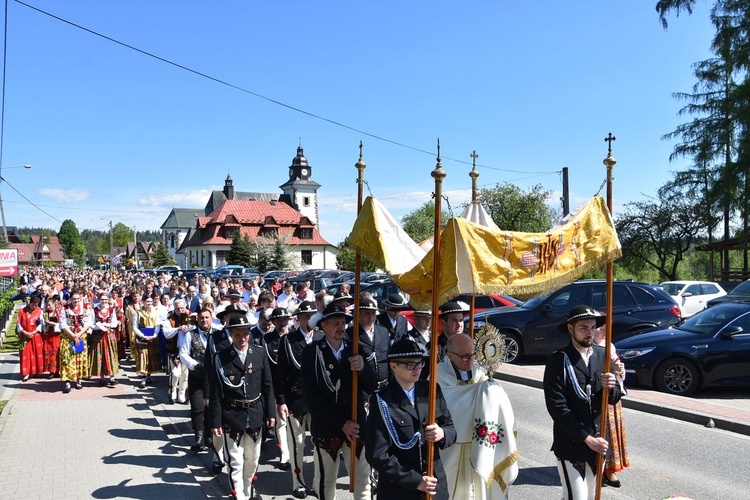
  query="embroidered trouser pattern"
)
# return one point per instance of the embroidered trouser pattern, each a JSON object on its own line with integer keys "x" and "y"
{"x": 578, "y": 480}
{"x": 327, "y": 468}
{"x": 295, "y": 434}
{"x": 242, "y": 454}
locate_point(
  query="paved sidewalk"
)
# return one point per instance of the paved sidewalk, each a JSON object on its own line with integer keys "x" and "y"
{"x": 731, "y": 413}
{"x": 121, "y": 442}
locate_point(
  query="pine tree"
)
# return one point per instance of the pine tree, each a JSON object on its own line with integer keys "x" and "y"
{"x": 240, "y": 252}
{"x": 162, "y": 257}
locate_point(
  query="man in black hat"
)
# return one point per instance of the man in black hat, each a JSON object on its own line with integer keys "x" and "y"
{"x": 192, "y": 347}
{"x": 218, "y": 340}
{"x": 396, "y": 434}
{"x": 241, "y": 403}
{"x": 288, "y": 389}
{"x": 373, "y": 342}
{"x": 271, "y": 342}
{"x": 327, "y": 366}
{"x": 574, "y": 379}
{"x": 421, "y": 331}
{"x": 392, "y": 320}
{"x": 452, "y": 317}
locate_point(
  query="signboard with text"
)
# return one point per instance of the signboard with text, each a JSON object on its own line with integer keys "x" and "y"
{"x": 9, "y": 262}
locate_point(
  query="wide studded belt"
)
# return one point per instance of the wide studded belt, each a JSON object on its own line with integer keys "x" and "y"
{"x": 241, "y": 403}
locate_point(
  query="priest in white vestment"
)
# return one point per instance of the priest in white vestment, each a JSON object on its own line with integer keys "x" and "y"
{"x": 483, "y": 462}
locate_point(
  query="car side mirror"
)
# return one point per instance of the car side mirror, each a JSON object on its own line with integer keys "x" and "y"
{"x": 687, "y": 294}
{"x": 547, "y": 308}
{"x": 730, "y": 332}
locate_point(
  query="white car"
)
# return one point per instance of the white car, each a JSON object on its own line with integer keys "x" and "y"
{"x": 692, "y": 295}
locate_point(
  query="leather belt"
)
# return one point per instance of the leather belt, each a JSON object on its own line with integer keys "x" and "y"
{"x": 241, "y": 403}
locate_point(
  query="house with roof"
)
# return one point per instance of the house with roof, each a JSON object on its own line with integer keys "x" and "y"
{"x": 198, "y": 239}
{"x": 42, "y": 250}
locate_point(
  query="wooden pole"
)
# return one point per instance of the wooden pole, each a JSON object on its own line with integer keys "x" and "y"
{"x": 361, "y": 165}
{"x": 609, "y": 162}
{"x": 438, "y": 174}
{"x": 473, "y": 174}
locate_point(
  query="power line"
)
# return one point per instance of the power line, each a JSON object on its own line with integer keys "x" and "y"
{"x": 269, "y": 99}
{"x": 102, "y": 210}
{"x": 30, "y": 202}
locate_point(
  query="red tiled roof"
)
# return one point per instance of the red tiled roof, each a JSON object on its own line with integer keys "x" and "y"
{"x": 253, "y": 215}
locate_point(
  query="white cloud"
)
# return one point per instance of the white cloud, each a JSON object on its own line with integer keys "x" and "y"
{"x": 65, "y": 195}
{"x": 189, "y": 199}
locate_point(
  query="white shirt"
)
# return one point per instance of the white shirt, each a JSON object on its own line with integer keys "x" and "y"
{"x": 338, "y": 352}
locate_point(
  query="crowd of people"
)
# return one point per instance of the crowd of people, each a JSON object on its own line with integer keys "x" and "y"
{"x": 257, "y": 361}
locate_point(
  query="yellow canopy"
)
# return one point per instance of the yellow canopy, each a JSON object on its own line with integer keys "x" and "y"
{"x": 479, "y": 260}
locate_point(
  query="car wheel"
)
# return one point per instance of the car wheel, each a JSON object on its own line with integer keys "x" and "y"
{"x": 512, "y": 348}
{"x": 677, "y": 376}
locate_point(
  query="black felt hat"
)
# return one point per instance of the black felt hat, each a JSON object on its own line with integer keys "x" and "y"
{"x": 579, "y": 313}
{"x": 406, "y": 348}
{"x": 454, "y": 307}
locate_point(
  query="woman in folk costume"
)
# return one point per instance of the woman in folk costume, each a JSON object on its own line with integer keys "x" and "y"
{"x": 145, "y": 330}
{"x": 103, "y": 357}
{"x": 29, "y": 328}
{"x": 116, "y": 303}
{"x": 75, "y": 324}
{"x": 617, "y": 454}
{"x": 51, "y": 336}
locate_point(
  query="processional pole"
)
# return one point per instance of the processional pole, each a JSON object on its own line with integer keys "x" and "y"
{"x": 361, "y": 165}
{"x": 609, "y": 162}
{"x": 438, "y": 174}
{"x": 473, "y": 174}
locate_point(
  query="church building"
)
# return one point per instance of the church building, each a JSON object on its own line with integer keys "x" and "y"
{"x": 202, "y": 237}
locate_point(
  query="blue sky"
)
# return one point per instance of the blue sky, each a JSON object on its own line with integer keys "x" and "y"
{"x": 531, "y": 86}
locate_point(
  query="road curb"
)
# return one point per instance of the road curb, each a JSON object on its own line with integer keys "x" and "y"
{"x": 693, "y": 417}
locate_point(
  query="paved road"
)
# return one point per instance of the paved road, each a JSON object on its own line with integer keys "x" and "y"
{"x": 667, "y": 457}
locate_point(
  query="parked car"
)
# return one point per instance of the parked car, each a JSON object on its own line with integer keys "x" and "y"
{"x": 270, "y": 275}
{"x": 692, "y": 296}
{"x": 190, "y": 274}
{"x": 172, "y": 270}
{"x": 740, "y": 293}
{"x": 379, "y": 290}
{"x": 228, "y": 270}
{"x": 481, "y": 303}
{"x": 249, "y": 273}
{"x": 711, "y": 348}
{"x": 531, "y": 328}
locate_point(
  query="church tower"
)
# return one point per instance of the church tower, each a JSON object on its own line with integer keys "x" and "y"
{"x": 301, "y": 189}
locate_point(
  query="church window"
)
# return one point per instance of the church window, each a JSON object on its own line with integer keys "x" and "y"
{"x": 306, "y": 201}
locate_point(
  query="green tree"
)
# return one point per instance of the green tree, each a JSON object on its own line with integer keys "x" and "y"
{"x": 658, "y": 233}
{"x": 514, "y": 209}
{"x": 162, "y": 257}
{"x": 240, "y": 251}
{"x": 346, "y": 259}
{"x": 71, "y": 241}
{"x": 419, "y": 224}
{"x": 122, "y": 235}
{"x": 280, "y": 256}
{"x": 4, "y": 243}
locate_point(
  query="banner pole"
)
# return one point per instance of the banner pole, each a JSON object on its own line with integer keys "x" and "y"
{"x": 609, "y": 162}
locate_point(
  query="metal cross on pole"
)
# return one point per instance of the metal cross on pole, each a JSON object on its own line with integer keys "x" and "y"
{"x": 609, "y": 140}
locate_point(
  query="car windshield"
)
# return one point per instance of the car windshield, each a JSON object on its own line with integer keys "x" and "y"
{"x": 673, "y": 288}
{"x": 533, "y": 303}
{"x": 711, "y": 320}
{"x": 741, "y": 289}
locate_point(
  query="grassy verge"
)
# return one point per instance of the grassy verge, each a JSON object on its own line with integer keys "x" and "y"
{"x": 11, "y": 343}
{"x": 2, "y": 404}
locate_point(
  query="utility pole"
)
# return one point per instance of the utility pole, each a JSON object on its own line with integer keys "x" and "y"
{"x": 135, "y": 247}
{"x": 565, "y": 193}
{"x": 111, "y": 249}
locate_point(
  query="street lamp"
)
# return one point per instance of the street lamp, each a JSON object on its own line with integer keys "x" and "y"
{"x": 2, "y": 211}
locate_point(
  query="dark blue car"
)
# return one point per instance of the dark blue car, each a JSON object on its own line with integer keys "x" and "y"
{"x": 711, "y": 348}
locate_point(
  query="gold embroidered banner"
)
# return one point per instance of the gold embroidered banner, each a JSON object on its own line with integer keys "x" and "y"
{"x": 480, "y": 260}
